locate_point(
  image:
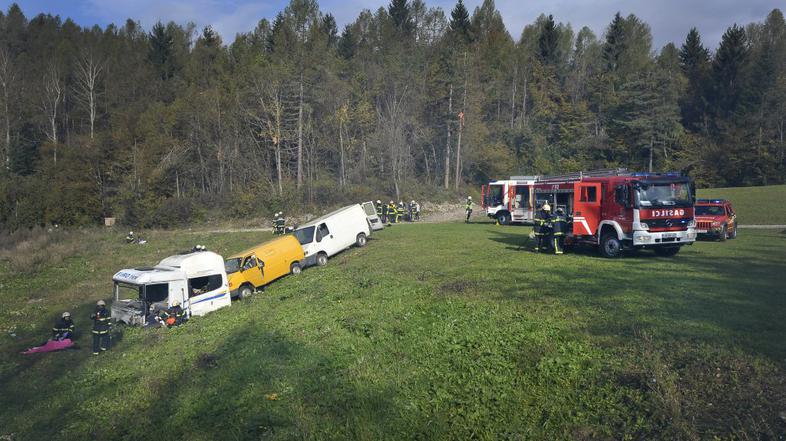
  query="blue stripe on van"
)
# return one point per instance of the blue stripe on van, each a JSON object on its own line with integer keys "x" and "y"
{"x": 210, "y": 298}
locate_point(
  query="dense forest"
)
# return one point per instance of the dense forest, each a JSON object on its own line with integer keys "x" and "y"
{"x": 174, "y": 124}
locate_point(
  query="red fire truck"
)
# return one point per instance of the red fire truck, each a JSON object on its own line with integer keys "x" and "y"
{"x": 614, "y": 209}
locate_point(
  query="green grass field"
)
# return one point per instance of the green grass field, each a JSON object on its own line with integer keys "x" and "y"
{"x": 754, "y": 205}
{"x": 440, "y": 331}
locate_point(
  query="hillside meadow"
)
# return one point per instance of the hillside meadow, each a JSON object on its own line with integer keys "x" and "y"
{"x": 432, "y": 331}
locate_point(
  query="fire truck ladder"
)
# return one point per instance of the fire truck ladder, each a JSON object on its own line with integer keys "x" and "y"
{"x": 576, "y": 176}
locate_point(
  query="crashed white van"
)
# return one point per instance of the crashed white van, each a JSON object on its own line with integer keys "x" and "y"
{"x": 332, "y": 233}
{"x": 197, "y": 281}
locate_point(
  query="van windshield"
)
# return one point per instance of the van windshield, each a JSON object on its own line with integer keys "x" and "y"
{"x": 305, "y": 235}
{"x": 232, "y": 265}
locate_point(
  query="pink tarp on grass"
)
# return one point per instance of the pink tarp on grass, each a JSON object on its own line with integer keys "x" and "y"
{"x": 51, "y": 345}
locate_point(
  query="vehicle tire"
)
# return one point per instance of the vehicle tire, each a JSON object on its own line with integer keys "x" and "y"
{"x": 733, "y": 234}
{"x": 503, "y": 218}
{"x": 667, "y": 251}
{"x": 244, "y": 292}
{"x": 610, "y": 246}
{"x": 295, "y": 268}
{"x": 724, "y": 233}
{"x": 322, "y": 259}
{"x": 361, "y": 240}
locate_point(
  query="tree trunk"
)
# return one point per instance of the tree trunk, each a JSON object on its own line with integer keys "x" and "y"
{"x": 651, "y": 147}
{"x": 513, "y": 96}
{"x": 300, "y": 136}
{"x": 342, "y": 178}
{"x": 447, "y": 145}
{"x": 461, "y": 125}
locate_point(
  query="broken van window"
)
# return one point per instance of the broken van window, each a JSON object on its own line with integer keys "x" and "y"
{"x": 201, "y": 285}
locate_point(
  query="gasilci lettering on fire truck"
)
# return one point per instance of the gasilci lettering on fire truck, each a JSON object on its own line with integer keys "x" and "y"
{"x": 664, "y": 213}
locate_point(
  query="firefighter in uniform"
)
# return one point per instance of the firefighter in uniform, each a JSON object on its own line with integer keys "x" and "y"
{"x": 400, "y": 212}
{"x": 384, "y": 217}
{"x": 378, "y": 206}
{"x": 102, "y": 324}
{"x": 392, "y": 212}
{"x": 559, "y": 225}
{"x": 468, "y": 208}
{"x": 130, "y": 238}
{"x": 64, "y": 327}
{"x": 541, "y": 227}
{"x": 174, "y": 315}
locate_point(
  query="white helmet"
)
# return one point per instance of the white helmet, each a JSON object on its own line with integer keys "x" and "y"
{"x": 413, "y": 201}
{"x": 378, "y": 201}
{"x": 130, "y": 233}
{"x": 469, "y": 197}
{"x": 66, "y": 314}
{"x": 100, "y": 303}
{"x": 546, "y": 207}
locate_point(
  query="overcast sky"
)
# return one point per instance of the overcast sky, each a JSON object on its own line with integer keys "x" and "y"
{"x": 670, "y": 20}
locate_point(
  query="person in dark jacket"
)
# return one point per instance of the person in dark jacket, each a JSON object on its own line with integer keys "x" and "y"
{"x": 102, "y": 325}
{"x": 64, "y": 327}
{"x": 559, "y": 226}
{"x": 384, "y": 216}
{"x": 174, "y": 315}
{"x": 541, "y": 227}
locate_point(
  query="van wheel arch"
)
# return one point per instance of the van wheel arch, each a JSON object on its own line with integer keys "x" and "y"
{"x": 244, "y": 291}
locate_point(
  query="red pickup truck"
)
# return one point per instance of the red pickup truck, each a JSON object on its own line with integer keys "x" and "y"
{"x": 715, "y": 218}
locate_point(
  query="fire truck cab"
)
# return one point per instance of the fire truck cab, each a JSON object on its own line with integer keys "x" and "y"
{"x": 613, "y": 209}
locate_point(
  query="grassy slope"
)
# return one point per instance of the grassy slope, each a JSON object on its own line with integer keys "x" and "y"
{"x": 431, "y": 331}
{"x": 754, "y": 205}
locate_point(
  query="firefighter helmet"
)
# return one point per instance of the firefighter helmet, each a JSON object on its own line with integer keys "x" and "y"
{"x": 378, "y": 202}
{"x": 469, "y": 198}
{"x": 66, "y": 314}
{"x": 546, "y": 207}
{"x": 100, "y": 303}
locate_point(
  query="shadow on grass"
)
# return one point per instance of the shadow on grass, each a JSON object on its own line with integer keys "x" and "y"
{"x": 256, "y": 384}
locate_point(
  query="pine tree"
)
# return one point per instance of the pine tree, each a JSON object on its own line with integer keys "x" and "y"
{"x": 695, "y": 64}
{"x": 615, "y": 43}
{"x": 400, "y": 14}
{"x": 728, "y": 71}
{"x": 161, "y": 50}
{"x": 459, "y": 22}
{"x": 547, "y": 41}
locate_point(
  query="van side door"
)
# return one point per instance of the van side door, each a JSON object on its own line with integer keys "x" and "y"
{"x": 253, "y": 270}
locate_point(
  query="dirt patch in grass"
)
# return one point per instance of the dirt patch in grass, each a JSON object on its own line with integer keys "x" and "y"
{"x": 457, "y": 287}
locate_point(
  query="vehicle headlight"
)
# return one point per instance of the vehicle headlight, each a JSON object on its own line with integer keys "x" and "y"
{"x": 644, "y": 226}
{"x": 692, "y": 223}
{"x": 715, "y": 224}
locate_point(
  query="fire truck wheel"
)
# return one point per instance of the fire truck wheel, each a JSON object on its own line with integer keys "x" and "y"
{"x": 733, "y": 234}
{"x": 724, "y": 233}
{"x": 503, "y": 218}
{"x": 667, "y": 251}
{"x": 610, "y": 246}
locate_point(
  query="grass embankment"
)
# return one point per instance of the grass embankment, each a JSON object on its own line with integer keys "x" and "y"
{"x": 754, "y": 205}
{"x": 431, "y": 331}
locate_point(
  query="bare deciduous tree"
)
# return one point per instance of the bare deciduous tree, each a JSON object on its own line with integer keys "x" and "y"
{"x": 88, "y": 69}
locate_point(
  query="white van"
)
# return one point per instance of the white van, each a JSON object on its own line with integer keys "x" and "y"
{"x": 332, "y": 233}
{"x": 197, "y": 281}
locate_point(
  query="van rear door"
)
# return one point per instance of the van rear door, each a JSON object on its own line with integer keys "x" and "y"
{"x": 371, "y": 214}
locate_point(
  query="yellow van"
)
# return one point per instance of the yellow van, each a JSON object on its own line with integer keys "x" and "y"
{"x": 266, "y": 262}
